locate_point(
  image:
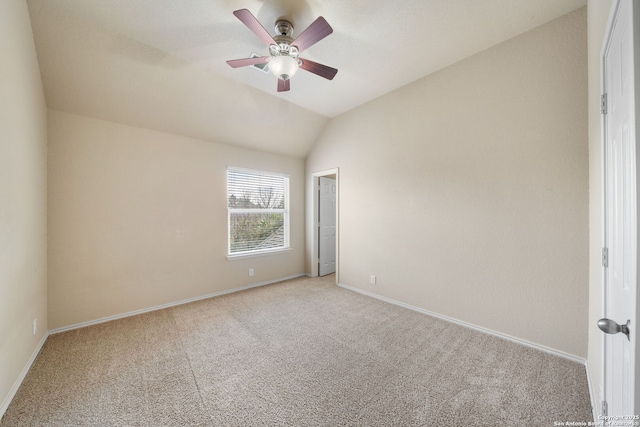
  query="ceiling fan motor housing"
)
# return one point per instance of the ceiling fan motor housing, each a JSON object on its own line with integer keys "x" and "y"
{"x": 283, "y": 38}
{"x": 283, "y": 52}
{"x": 284, "y": 28}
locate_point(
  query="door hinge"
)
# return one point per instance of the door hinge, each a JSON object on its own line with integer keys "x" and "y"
{"x": 605, "y": 257}
{"x": 603, "y": 103}
{"x": 605, "y": 408}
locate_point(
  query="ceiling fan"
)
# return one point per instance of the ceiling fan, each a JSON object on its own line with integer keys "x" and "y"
{"x": 283, "y": 60}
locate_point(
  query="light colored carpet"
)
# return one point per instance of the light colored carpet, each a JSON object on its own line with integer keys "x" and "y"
{"x": 302, "y": 352}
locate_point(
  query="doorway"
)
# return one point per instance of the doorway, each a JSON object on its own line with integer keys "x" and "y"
{"x": 327, "y": 192}
{"x": 326, "y": 223}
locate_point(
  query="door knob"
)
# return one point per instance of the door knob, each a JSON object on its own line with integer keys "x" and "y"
{"x": 609, "y": 326}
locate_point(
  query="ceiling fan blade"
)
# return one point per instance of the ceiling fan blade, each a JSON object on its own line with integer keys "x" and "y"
{"x": 254, "y": 25}
{"x": 315, "y": 32}
{"x": 235, "y": 63}
{"x": 284, "y": 85}
{"x": 319, "y": 69}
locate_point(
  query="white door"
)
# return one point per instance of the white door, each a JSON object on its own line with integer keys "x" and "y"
{"x": 327, "y": 227}
{"x": 620, "y": 216}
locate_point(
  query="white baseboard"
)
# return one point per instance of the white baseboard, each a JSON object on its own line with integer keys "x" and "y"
{"x": 594, "y": 402}
{"x": 470, "y": 325}
{"x": 22, "y": 375}
{"x": 171, "y": 304}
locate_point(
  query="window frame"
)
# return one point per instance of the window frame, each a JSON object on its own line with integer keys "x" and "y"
{"x": 285, "y": 211}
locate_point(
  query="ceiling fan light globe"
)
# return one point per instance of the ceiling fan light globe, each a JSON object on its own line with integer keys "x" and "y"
{"x": 283, "y": 67}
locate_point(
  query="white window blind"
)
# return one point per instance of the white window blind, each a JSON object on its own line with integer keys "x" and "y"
{"x": 258, "y": 206}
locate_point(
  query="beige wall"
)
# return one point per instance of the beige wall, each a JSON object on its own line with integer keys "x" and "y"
{"x": 23, "y": 209}
{"x": 466, "y": 192}
{"x": 597, "y": 17}
{"x": 138, "y": 218}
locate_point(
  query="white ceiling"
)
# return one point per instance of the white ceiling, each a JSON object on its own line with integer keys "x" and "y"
{"x": 160, "y": 64}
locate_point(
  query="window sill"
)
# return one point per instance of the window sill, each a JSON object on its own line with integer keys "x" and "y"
{"x": 234, "y": 257}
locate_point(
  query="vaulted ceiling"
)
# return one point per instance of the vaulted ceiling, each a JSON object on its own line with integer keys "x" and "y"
{"x": 160, "y": 64}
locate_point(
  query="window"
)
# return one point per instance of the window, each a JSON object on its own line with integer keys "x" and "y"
{"x": 258, "y": 206}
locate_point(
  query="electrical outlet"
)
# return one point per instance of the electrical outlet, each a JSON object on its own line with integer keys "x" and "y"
{"x": 251, "y": 272}
{"x": 35, "y": 326}
{"x": 373, "y": 279}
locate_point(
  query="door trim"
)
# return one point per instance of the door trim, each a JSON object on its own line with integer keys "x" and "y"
{"x": 603, "y": 214}
{"x": 315, "y": 207}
